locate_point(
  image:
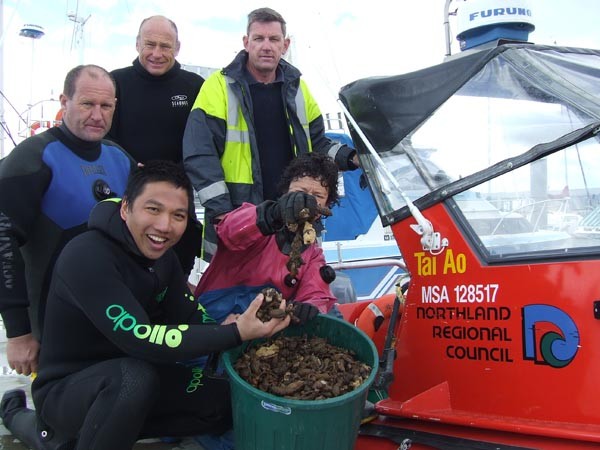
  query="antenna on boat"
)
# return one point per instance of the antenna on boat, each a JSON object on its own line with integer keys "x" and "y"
{"x": 430, "y": 239}
{"x": 77, "y": 37}
{"x": 482, "y": 24}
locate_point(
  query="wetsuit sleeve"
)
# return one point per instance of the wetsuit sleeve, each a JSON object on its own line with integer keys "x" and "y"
{"x": 23, "y": 180}
{"x": 99, "y": 279}
{"x": 312, "y": 288}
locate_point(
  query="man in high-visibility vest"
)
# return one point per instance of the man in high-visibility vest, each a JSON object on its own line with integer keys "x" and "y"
{"x": 248, "y": 122}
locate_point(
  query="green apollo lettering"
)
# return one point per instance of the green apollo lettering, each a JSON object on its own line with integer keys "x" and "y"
{"x": 196, "y": 381}
{"x": 205, "y": 316}
{"x": 120, "y": 317}
{"x": 156, "y": 334}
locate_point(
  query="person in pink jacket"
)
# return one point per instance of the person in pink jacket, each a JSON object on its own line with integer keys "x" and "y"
{"x": 254, "y": 247}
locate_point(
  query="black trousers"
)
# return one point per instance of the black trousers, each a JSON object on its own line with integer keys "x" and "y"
{"x": 112, "y": 404}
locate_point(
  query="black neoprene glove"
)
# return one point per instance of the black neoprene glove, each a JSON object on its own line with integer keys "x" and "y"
{"x": 272, "y": 216}
{"x": 304, "y": 312}
{"x": 268, "y": 219}
{"x": 291, "y": 204}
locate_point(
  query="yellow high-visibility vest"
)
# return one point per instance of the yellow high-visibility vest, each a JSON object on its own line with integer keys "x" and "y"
{"x": 237, "y": 155}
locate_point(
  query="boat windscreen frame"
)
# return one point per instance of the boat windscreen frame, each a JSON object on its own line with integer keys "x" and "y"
{"x": 456, "y": 187}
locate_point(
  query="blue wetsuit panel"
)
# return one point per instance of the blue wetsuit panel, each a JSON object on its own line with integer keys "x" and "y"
{"x": 70, "y": 195}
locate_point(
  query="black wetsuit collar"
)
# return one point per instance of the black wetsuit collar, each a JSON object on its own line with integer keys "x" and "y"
{"x": 88, "y": 150}
{"x": 171, "y": 73}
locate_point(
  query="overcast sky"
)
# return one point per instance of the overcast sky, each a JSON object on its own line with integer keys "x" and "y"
{"x": 334, "y": 43}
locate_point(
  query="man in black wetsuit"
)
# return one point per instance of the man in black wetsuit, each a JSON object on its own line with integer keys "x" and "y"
{"x": 155, "y": 95}
{"x": 120, "y": 320}
{"x": 154, "y": 98}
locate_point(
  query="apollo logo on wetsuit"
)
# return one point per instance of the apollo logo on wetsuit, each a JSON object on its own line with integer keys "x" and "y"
{"x": 156, "y": 334}
{"x": 550, "y": 336}
{"x": 196, "y": 381}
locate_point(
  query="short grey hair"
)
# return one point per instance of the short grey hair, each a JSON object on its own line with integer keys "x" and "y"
{"x": 92, "y": 70}
{"x": 158, "y": 17}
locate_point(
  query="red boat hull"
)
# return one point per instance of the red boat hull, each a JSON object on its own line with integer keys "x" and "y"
{"x": 501, "y": 353}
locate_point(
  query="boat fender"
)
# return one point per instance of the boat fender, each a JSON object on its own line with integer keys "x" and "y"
{"x": 58, "y": 118}
{"x": 373, "y": 316}
{"x": 327, "y": 274}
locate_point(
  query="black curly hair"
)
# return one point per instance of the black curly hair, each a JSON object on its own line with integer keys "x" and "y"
{"x": 314, "y": 165}
{"x": 155, "y": 171}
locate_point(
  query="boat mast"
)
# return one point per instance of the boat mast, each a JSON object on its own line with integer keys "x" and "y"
{"x": 78, "y": 36}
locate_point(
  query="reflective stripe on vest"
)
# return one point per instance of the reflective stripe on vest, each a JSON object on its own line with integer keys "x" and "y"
{"x": 237, "y": 155}
{"x": 301, "y": 111}
{"x": 212, "y": 191}
{"x": 333, "y": 150}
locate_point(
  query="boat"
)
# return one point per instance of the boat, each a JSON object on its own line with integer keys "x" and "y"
{"x": 493, "y": 345}
{"x": 490, "y": 344}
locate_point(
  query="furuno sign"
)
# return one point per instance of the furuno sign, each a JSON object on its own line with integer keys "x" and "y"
{"x": 483, "y": 13}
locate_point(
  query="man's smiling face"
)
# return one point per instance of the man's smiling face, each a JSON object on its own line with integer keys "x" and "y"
{"x": 157, "y": 218}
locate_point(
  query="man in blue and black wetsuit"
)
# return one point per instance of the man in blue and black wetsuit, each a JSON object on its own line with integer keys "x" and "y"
{"x": 48, "y": 186}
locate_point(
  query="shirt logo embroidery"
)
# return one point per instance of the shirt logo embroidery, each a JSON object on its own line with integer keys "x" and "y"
{"x": 179, "y": 101}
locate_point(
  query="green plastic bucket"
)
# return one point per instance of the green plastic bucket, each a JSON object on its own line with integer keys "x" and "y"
{"x": 263, "y": 421}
